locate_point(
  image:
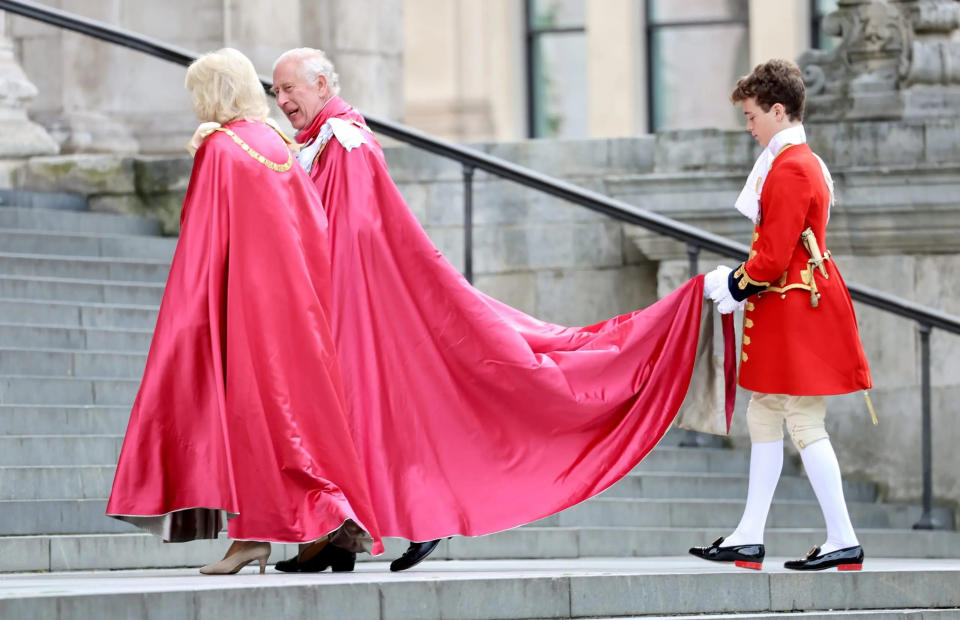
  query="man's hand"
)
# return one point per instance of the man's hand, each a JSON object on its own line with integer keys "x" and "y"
{"x": 714, "y": 280}
{"x": 715, "y": 286}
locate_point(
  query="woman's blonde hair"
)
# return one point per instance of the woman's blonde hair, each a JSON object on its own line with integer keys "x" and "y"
{"x": 225, "y": 88}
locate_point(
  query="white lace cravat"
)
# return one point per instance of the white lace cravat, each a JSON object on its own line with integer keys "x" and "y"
{"x": 348, "y": 134}
{"x": 748, "y": 202}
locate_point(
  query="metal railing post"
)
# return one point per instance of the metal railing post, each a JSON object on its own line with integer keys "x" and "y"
{"x": 926, "y": 522}
{"x": 693, "y": 256}
{"x": 468, "y": 222}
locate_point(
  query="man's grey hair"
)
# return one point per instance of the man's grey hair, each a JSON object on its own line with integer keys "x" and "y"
{"x": 313, "y": 63}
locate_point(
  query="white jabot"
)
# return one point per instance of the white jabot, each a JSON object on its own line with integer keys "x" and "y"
{"x": 748, "y": 202}
{"x": 347, "y": 134}
{"x": 308, "y": 152}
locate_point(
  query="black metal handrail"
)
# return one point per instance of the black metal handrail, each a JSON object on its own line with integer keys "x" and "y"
{"x": 471, "y": 160}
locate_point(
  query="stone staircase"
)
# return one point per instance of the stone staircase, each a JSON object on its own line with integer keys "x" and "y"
{"x": 79, "y": 293}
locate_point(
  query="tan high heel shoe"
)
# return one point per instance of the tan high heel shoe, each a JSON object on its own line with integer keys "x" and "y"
{"x": 236, "y": 559}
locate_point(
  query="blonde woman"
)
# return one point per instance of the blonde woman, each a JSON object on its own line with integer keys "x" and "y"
{"x": 240, "y": 410}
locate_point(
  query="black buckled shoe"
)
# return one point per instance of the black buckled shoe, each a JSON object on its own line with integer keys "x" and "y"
{"x": 337, "y": 559}
{"x": 744, "y": 556}
{"x": 850, "y": 558}
{"x": 415, "y": 553}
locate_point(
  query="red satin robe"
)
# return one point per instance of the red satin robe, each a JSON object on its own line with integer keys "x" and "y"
{"x": 472, "y": 416}
{"x": 789, "y": 346}
{"x": 241, "y": 404}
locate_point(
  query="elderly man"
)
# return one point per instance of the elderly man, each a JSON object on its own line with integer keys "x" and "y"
{"x": 305, "y": 83}
{"x": 470, "y": 417}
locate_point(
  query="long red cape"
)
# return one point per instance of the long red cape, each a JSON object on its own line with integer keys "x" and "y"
{"x": 241, "y": 404}
{"x": 471, "y": 416}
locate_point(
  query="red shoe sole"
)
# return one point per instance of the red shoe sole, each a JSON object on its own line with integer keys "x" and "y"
{"x": 750, "y": 565}
{"x": 850, "y": 567}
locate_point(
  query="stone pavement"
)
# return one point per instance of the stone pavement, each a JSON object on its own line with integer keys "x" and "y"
{"x": 588, "y": 587}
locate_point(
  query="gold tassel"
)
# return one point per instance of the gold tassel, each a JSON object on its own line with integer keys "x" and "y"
{"x": 873, "y": 414}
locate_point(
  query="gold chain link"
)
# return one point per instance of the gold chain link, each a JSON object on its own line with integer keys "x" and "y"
{"x": 257, "y": 156}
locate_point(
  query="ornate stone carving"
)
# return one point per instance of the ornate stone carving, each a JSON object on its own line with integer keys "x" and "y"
{"x": 19, "y": 136}
{"x": 895, "y": 59}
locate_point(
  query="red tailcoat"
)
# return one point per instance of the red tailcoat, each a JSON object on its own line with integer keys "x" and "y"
{"x": 472, "y": 416}
{"x": 241, "y": 403}
{"x": 789, "y": 346}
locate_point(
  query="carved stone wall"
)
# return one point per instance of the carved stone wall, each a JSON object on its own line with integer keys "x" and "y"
{"x": 896, "y": 59}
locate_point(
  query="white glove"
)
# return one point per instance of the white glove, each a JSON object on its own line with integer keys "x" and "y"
{"x": 728, "y": 305}
{"x": 715, "y": 279}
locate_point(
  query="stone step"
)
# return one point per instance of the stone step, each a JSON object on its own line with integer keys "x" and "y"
{"x": 76, "y": 221}
{"x": 920, "y": 613}
{"x": 18, "y": 198}
{"x": 715, "y": 460}
{"x": 507, "y": 589}
{"x": 669, "y": 485}
{"x": 138, "y": 550}
{"x": 952, "y": 613}
{"x": 63, "y": 450}
{"x": 84, "y": 267}
{"x": 63, "y": 419}
{"x": 68, "y": 314}
{"x": 73, "y": 482}
{"x": 130, "y": 550}
{"x": 75, "y": 516}
{"x": 59, "y": 450}
{"x": 14, "y": 335}
{"x": 78, "y": 291}
{"x": 60, "y": 363}
{"x": 15, "y": 241}
{"x": 56, "y": 482}
{"x": 44, "y": 516}
{"x": 34, "y": 390}
{"x": 698, "y": 512}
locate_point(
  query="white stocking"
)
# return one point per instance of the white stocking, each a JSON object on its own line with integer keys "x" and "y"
{"x": 820, "y": 461}
{"x": 766, "y": 462}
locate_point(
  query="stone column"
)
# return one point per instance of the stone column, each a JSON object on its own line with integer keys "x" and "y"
{"x": 778, "y": 29}
{"x": 616, "y": 65}
{"x": 19, "y": 136}
{"x": 364, "y": 38}
{"x": 460, "y": 58}
{"x": 78, "y": 79}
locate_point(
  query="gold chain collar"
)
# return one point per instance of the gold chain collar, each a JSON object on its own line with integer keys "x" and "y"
{"x": 252, "y": 153}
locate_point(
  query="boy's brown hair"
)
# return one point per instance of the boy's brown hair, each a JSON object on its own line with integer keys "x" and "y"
{"x": 775, "y": 81}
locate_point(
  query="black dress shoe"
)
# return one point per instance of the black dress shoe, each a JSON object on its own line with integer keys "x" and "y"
{"x": 850, "y": 558}
{"x": 331, "y": 556}
{"x": 744, "y": 556}
{"x": 414, "y": 554}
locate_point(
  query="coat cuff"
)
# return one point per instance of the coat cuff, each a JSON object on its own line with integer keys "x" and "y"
{"x": 742, "y": 285}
